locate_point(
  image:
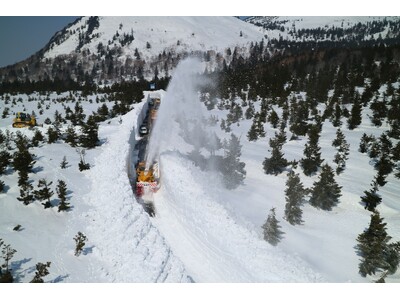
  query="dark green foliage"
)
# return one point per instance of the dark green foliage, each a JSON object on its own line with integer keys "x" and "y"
{"x": 233, "y": 170}
{"x": 295, "y": 194}
{"x": 273, "y": 118}
{"x": 23, "y": 160}
{"x": 5, "y": 159}
{"x": 82, "y": 164}
{"x": 38, "y": 137}
{"x": 26, "y": 193}
{"x": 365, "y": 142}
{"x": 355, "y": 115}
{"x": 41, "y": 271}
{"x": 2, "y": 185}
{"x": 7, "y": 254}
{"x": 80, "y": 240}
{"x": 64, "y": 163}
{"x": 44, "y": 193}
{"x": 343, "y": 149}
{"x": 71, "y": 137}
{"x": 62, "y": 195}
{"x": 89, "y": 137}
{"x": 325, "y": 192}
{"x": 312, "y": 152}
{"x": 374, "y": 248}
{"x": 52, "y": 135}
{"x": 379, "y": 112}
{"x": 276, "y": 164}
{"x": 271, "y": 229}
{"x": 371, "y": 199}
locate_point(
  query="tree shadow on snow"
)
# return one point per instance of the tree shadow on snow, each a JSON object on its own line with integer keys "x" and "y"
{"x": 87, "y": 250}
{"x": 59, "y": 278}
{"x": 37, "y": 169}
{"x": 18, "y": 272}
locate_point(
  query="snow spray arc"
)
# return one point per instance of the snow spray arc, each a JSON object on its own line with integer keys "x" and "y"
{"x": 180, "y": 112}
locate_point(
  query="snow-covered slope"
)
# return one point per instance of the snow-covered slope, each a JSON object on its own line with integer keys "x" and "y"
{"x": 153, "y": 35}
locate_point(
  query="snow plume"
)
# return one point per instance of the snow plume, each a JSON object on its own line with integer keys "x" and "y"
{"x": 180, "y": 112}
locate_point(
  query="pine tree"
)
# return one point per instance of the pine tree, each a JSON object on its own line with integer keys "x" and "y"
{"x": 5, "y": 159}
{"x": 38, "y": 137}
{"x": 271, "y": 229}
{"x": 89, "y": 137}
{"x": 343, "y": 151}
{"x": 26, "y": 193}
{"x": 52, "y": 135}
{"x": 371, "y": 199}
{"x": 2, "y": 185}
{"x": 71, "y": 136}
{"x": 80, "y": 240}
{"x": 376, "y": 254}
{"x": 252, "y": 134}
{"x": 365, "y": 142}
{"x": 233, "y": 169}
{"x": 45, "y": 193}
{"x": 312, "y": 152}
{"x": 295, "y": 193}
{"x": 23, "y": 160}
{"x": 82, "y": 164}
{"x": 326, "y": 192}
{"x": 62, "y": 195}
{"x": 355, "y": 117}
{"x": 7, "y": 254}
{"x": 41, "y": 271}
{"x": 276, "y": 164}
{"x": 64, "y": 163}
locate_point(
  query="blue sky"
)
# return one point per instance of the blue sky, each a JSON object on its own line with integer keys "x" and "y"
{"x": 20, "y": 37}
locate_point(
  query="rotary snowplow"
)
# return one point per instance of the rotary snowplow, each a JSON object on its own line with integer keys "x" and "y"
{"x": 24, "y": 120}
{"x": 148, "y": 178}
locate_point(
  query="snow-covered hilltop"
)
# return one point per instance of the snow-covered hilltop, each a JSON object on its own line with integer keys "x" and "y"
{"x": 152, "y": 35}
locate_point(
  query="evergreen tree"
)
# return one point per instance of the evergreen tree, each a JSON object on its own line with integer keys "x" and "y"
{"x": 365, "y": 142}
{"x": 26, "y": 193}
{"x": 64, "y": 163}
{"x": 371, "y": 199}
{"x": 295, "y": 193}
{"x": 38, "y": 137}
{"x": 52, "y": 135}
{"x": 355, "y": 116}
{"x": 62, "y": 195}
{"x": 273, "y": 118}
{"x": 252, "y": 135}
{"x": 374, "y": 248}
{"x": 325, "y": 193}
{"x": 233, "y": 169}
{"x": 2, "y": 185}
{"x": 44, "y": 192}
{"x": 312, "y": 152}
{"x": 82, "y": 164}
{"x": 89, "y": 137}
{"x": 80, "y": 240}
{"x": 5, "y": 159}
{"x": 71, "y": 136}
{"x": 343, "y": 151}
{"x": 41, "y": 271}
{"x": 276, "y": 164}
{"x": 271, "y": 229}
{"x": 7, "y": 254}
{"x": 23, "y": 160}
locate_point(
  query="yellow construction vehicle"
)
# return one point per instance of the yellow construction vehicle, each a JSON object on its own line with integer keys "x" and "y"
{"x": 148, "y": 179}
{"x": 24, "y": 120}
